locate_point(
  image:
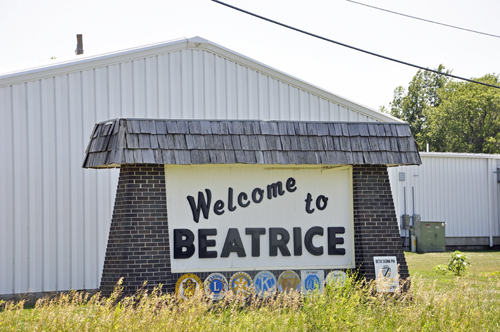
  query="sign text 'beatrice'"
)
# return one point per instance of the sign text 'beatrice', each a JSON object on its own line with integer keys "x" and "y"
{"x": 250, "y": 217}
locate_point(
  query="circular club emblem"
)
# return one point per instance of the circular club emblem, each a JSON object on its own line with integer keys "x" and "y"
{"x": 187, "y": 285}
{"x": 241, "y": 284}
{"x": 312, "y": 283}
{"x": 216, "y": 286}
{"x": 265, "y": 283}
{"x": 288, "y": 281}
{"x": 335, "y": 278}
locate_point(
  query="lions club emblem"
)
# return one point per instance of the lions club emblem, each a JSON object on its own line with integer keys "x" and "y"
{"x": 216, "y": 286}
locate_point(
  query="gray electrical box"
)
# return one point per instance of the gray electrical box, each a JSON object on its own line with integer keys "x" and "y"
{"x": 430, "y": 236}
{"x": 402, "y": 176}
{"x": 406, "y": 221}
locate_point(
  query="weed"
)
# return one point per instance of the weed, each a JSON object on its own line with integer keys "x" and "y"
{"x": 441, "y": 269}
{"x": 457, "y": 264}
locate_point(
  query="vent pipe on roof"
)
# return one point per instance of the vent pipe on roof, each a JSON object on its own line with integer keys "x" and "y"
{"x": 79, "y": 44}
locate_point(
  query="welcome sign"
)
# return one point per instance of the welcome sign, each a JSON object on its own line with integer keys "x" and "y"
{"x": 240, "y": 217}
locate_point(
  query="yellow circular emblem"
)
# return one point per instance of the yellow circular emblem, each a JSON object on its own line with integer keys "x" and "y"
{"x": 241, "y": 284}
{"x": 288, "y": 281}
{"x": 187, "y": 285}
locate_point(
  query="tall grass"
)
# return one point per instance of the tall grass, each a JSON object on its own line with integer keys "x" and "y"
{"x": 354, "y": 306}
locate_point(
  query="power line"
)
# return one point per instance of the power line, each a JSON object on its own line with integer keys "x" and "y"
{"x": 423, "y": 19}
{"x": 352, "y": 47}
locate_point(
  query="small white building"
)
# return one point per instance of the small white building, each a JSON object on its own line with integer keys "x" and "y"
{"x": 54, "y": 215}
{"x": 459, "y": 189}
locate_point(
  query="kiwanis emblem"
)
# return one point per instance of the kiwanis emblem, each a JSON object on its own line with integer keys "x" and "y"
{"x": 241, "y": 284}
{"x": 216, "y": 286}
{"x": 265, "y": 283}
{"x": 187, "y": 285}
{"x": 288, "y": 281}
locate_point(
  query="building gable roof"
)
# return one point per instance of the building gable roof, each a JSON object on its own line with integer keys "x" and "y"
{"x": 182, "y": 142}
{"x": 195, "y": 43}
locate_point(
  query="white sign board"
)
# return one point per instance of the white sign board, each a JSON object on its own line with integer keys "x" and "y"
{"x": 386, "y": 273}
{"x": 256, "y": 217}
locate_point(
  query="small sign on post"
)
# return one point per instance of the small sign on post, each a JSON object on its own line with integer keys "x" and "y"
{"x": 386, "y": 273}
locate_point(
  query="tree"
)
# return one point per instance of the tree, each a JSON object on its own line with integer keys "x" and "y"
{"x": 412, "y": 106}
{"x": 467, "y": 118}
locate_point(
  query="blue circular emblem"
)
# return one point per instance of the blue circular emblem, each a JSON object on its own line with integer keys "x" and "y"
{"x": 216, "y": 286}
{"x": 264, "y": 283}
{"x": 312, "y": 282}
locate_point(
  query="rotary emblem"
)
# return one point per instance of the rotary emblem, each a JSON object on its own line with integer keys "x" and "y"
{"x": 241, "y": 284}
{"x": 265, "y": 283}
{"x": 288, "y": 281}
{"x": 187, "y": 285}
{"x": 216, "y": 286}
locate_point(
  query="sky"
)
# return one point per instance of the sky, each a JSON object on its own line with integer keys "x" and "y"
{"x": 33, "y": 31}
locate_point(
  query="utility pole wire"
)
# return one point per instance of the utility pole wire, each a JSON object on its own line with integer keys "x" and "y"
{"x": 423, "y": 19}
{"x": 352, "y": 47}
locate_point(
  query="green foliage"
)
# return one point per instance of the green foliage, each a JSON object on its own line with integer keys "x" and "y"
{"x": 457, "y": 264}
{"x": 441, "y": 269}
{"x": 412, "y": 106}
{"x": 468, "y": 118}
{"x": 451, "y": 116}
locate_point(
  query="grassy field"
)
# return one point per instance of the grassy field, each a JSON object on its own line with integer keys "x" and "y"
{"x": 433, "y": 303}
{"x": 481, "y": 272}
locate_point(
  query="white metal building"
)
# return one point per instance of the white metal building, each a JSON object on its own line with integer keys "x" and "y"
{"x": 459, "y": 189}
{"x": 54, "y": 215}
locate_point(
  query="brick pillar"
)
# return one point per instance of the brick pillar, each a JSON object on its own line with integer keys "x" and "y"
{"x": 138, "y": 245}
{"x": 376, "y": 231}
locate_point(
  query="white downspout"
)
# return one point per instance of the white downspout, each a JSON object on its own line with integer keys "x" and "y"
{"x": 490, "y": 203}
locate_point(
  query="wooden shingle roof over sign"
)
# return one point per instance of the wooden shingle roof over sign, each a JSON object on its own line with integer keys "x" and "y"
{"x": 181, "y": 142}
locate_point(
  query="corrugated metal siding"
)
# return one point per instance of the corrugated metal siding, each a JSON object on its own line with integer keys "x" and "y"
{"x": 458, "y": 191}
{"x": 55, "y": 216}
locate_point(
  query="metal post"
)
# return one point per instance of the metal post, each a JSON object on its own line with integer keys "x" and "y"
{"x": 79, "y": 44}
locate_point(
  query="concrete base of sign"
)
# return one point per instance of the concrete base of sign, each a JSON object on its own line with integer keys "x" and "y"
{"x": 138, "y": 247}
